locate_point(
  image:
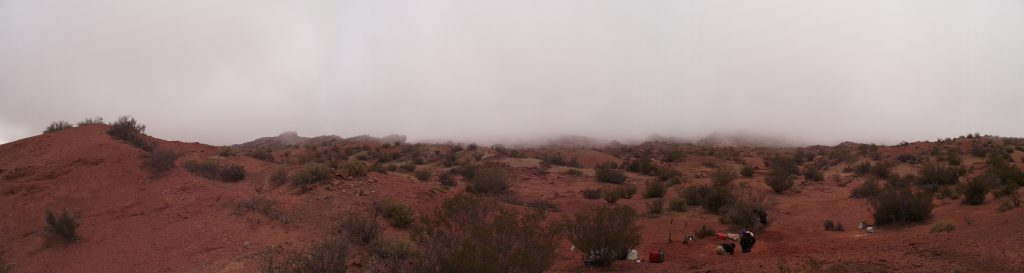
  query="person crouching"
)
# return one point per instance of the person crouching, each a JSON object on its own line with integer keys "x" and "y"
{"x": 747, "y": 241}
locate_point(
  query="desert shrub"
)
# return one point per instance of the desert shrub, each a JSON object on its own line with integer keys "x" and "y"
{"x": 907, "y": 158}
{"x": 839, "y": 227}
{"x": 262, "y": 154}
{"x": 377, "y": 167}
{"x": 655, "y": 189}
{"x": 643, "y": 165}
{"x": 57, "y": 126}
{"x": 422, "y": 174}
{"x": 574, "y": 172}
{"x": 264, "y": 206}
{"x": 893, "y": 206}
{"x": 628, "y": 191}
{"x": 64, "y": 226}
{"x": 829, "y": 225}
{"x": 407, "y": 168}
{"x": 673, "y": 156}
{"x": 881, "y": 169}
{"x": 747, "y": 171}
{"x": 868, "y": 189}
{"x": 612, "y": 195}
{"x": 446, "y": 180}
{"x": 669, "y": 174}
{"x": 722, "y": 176}
{"x": 311, "y": 173}
{"x": 359, "y": 228}
{"x": 779, "y": 181}
{"x": 91, "y": 121}
{"x": 211, "y": 169}
{"x": 400, "y": 214}
{"x": 939, "y": 174}
{"x": 354, "y": 168}
{"x": 655, "y": 206}
{"x": 813, "y": 174}
{"x": 605, "y": 173}
{"x": 943, "y": 226}
{"x": 129, "y": 130}
{"x": 488, "y": 180}
{"x": 975, "y": 190}
{"x": 604, "y": 233}
{"x": 278, "y": 177}
{"x": 160, "y": 161}
{"x": 543, "y": 205}
{"x": 694, "y": 195}
{"x": 471, "y": 233}
{"x": 329, "y": 255}
{"x": 781, "y": 164}
{"x": 703, "y": 232}
{"x": 592, "y": 193}
{"x": 393, "y": 252}
{"x": 742, "y": 212}
{"x": 677, "y": 204}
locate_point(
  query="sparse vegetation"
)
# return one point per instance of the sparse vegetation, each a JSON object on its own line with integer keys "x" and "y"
{"x": 360, "y": 228}
{"x": 160, "y": 161}
{"x": 976, "y": 190}
{"x": 592, "y": 193}
{"x": 898, "y": 205}
{"x": 607, "y": 174}
{"x": 393, "y": 252}
{"x": 354, "y": 168}
{"x": 655, "y": 206}
{"x": 742, "y": 211}
{"x": 722, "y": 177}
{"x": 868, "y": 189}
{"x": 603, "y": 234}
{"x": 446, "y": 180}
{"x": 64, "y": 226}
{"x": 263, "y": 206}
{"x": 91, "y": 121}
{"x": 747, "y": 171}
{"x": 488, "y": 180}
{"x": 422, "y": 174}
{"x": 278, "y": 177}
{"x": 57, "y": 126}
{"x": 400, "y": 214}
{"x": 655, "y": 189}
{"x": 677, "y": 204}
{"x": 829, "y": 225}
{"x": 813, "y": 174}
{"x": 470, "y": 233}
{"x": 574, "y": 172}
{"x": 129, "y": 130}
{"x": 329, "y": 255}
{"x": 611, "y": 195}
{"x": 310, "y": 174}
{"x": 779, "y": 181}
{"x": 211, "y": 169}
{"x": 943, "y": 226}
{"x": 703, "y": 232}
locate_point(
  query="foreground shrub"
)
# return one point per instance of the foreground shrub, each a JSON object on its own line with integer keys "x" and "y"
{"x": 129, "y": 130}
{"x": 64, "y": 226}
{"x": 607, "y": 174}
{"x": 894, "y": 206}
{"x": 654, "y": 206}
{"x": 488, "y": 180}
{"x": 746, "y": 209}
{"x": 312, "y": 173}
{"x": 677, "y": 204}
{"x": 57, "y": 126}
{"x": 212, "y": 169}
{"x": 943, "y": 226}
{"x": 360, "y": 228}
{"x": 779, "y": 181}
{"x": 160, "y": 161}
{"x": 604, "y": 233}
{"x": 470, "y": 233}
{"x": 393, "y": 252}
{"x": 400, "y": 214}
{"x": 330, "y": 255}
{"x": 655, "y": 189}
{"x": 813, "y": 174}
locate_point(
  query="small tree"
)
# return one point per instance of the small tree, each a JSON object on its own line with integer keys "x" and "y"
{"x": 603, "y": 234}
{"x": 64, "y": 226}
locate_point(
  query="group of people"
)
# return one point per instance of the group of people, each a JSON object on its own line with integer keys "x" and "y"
{"x": 746, "y": 238}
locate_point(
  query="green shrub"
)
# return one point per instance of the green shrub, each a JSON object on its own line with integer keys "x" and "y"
{"x": 939, "y": 174}
{"x": 64, "y": 226}
{"x": 422, "y": 174}
{"x": 943, "y": 226}
{"x": 57, "y": 126}
{"x": 467, "y": 227}
{"x": 592, "y": 193}
{"x": 354, "y": 168}
{"x": 312, "y": 173}
{"x": 779, "y": 181}
{"x": 975, "y": 190}
{"x": 893, "y": 205}
{"x": 742, "y": 211}
{"x": 400, "y": 214}
{"x": 129, "y": 130}
{"x": 655, "y": 189}
{"x": 603, "y": 233}
{"x": 489, "y": 180}
{"x": 359, "y": 228}
{"x": 160, "y": 161}
{"x": 607, "y": 174}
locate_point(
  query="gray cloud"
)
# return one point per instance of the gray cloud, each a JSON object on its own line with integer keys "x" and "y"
{"x": 224, "y": 72}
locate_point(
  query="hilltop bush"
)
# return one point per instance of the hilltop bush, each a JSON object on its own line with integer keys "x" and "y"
{"x": 212, "y": 169}
{"x": 57, "y": 126}
{"x": 129, "y": 130}
{"x": 400, "y": 214}
{"x": 655, "y": 189}
{"x": 893, "y": 206}
{"x": 488, "y": 180}
{"x": 91, "y": 121}
{"x": 311, "y": 173}
{"x": 466, "y": 227}
{"x": 603, "y": 233}
{"x": 64, "y": 226}
{"x": 160, "y": 161}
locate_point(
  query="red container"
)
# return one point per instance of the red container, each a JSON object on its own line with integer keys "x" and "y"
{"x": 655, "y": 257}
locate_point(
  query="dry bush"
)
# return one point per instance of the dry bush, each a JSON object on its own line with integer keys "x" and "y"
{"x": 703, "y": 232}
{"x": 611, "y": 195}
{"x": 446, "y": 180}
{"x": 311, "y": 173}
{"x": 608, "y": 174}
{"x": 893, "y": 206}
{"x": 655, "y": 206}
{"x": 743, "y": 211}
{"x": 976, "y": 190}
{"x": 747, "y": 171}
{"x": 327, "y": 256}
{"x": 943, "y": 226}
{"x": 470, "y": 233}
{"x": 359, "y": 228}
{"x": 868, "y": 189}
{"x": 278, "y": 177}
{"x": 422, "y": 174}
{"x": 393, "y": 252}
{"x": 488, "y": 180}
{"x": 64, "y": 226}
{"x": 829, "y": 225}
{"x": 722, "y": 177}
{"x": 813, "y": 174}
{"x": 57, "y": 126}
{"x": 779, "y": 181}
{"x": 264, "y": 206}
{"x": 592, "y": 193}
{"x": 400, "y": 214}
{"x": 603, "y": 233}
{"x": 160, "y": 161}
{"x": 939, "y": 174}
{"x": 91, "y": 121}
{"x": 655, "y": 189}
{"x": 677, "y": 204}
{"x": 212, "y": 169}
{"x": 354, "y": 168}
{"x": 628, "y": 191}
{"x": 129, "y": 130}
{"x": 574, "y": 172}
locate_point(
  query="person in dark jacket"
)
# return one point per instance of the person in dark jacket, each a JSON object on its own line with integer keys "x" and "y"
{"x": 747, "y": 241}
{"x": 725, "y": 248}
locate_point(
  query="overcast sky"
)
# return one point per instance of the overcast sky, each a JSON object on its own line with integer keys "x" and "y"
{"x": 228, "y": 71}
